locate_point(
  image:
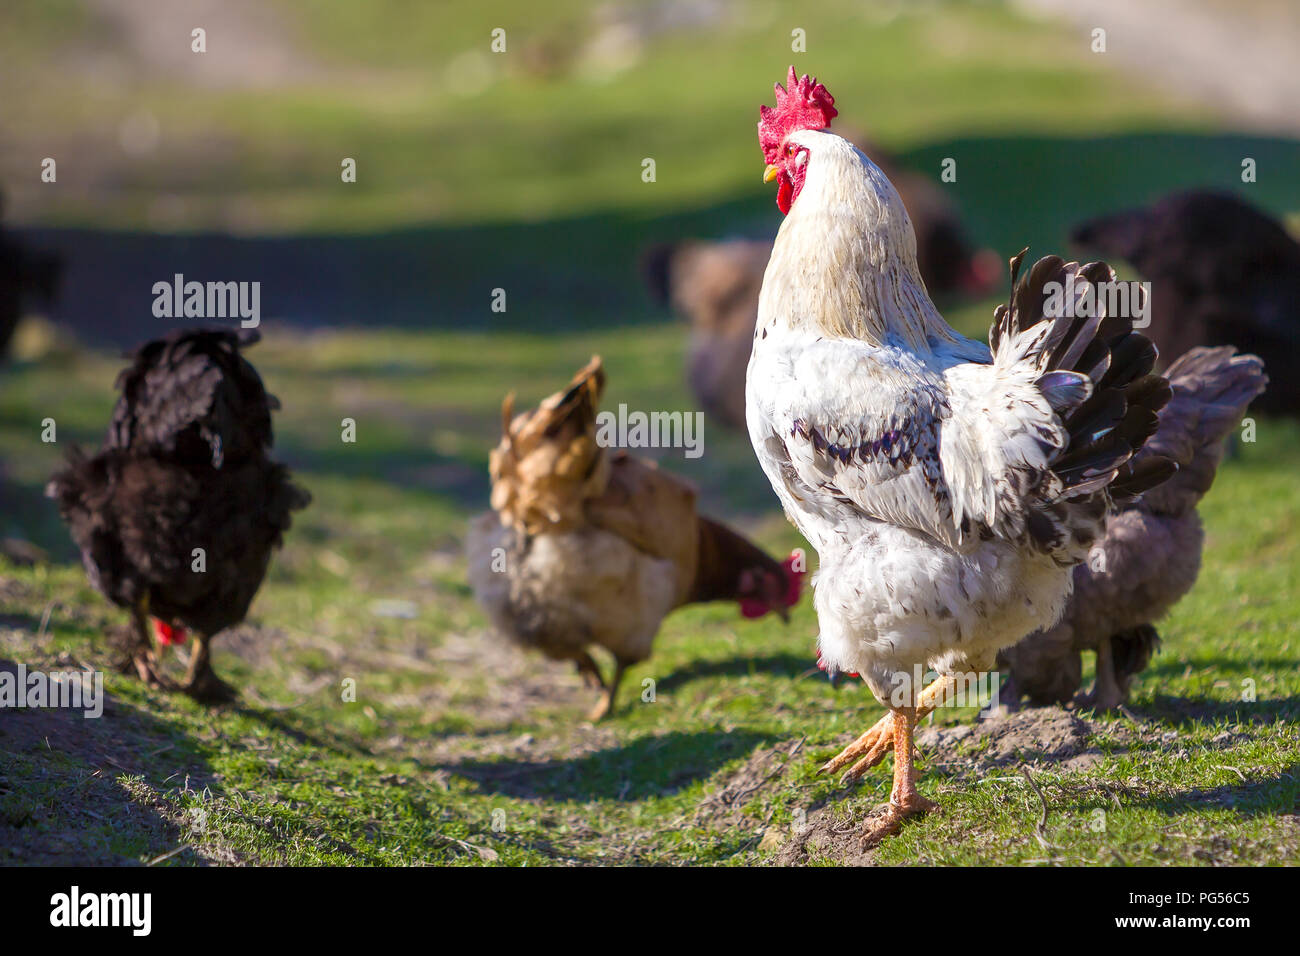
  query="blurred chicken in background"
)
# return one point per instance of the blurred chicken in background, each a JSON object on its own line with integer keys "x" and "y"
{"x": 590, "y": 546}
{"x": 715, "y": 285}
{"x": 1222, "y": 273}
{"x": 24, "y": 275}
{"x": 184, "y": 476}
{"x": 1150, "y": 555}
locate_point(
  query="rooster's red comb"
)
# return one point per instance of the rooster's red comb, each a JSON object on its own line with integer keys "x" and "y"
{"x": 804, "y": 104}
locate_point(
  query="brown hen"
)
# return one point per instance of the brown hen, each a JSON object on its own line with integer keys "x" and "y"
{"x": 587, "y": 546}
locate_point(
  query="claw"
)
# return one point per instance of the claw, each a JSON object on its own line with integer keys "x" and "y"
{"x": 146, "y": 666}
{"x": 875, "y": 834}
{"x": 602, "y": 708}
{"x": 873, "y": 757}
{"x": 875, "y": 743}
{"x": 892, "y": 820}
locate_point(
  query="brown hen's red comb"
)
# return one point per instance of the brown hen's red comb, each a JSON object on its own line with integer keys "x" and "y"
{"x": 805, "y": 104}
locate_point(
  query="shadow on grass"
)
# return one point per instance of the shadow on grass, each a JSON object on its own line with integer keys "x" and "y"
{"x": 1182, "y": 710}
{"x": 29, "y": 515}
{"x": 60, "y": 800}
{"x": 20, "y": 622}
{"x": 284, "y": 723}
{"x": 580, "y": 272}
{"x": 1278, "y": 793}
{"x": 775, "y": 665}
{"x": 649, "y": 767}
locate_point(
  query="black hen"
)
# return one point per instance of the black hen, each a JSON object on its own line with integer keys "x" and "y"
{"x": 1222, "y": 273}
{"x": 177, "y": 515}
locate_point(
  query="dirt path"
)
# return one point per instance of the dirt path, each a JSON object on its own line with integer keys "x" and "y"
{"x": 153, "y": 39}
{"x": 829, "y": 830}
{"x": 1236, "y": 55}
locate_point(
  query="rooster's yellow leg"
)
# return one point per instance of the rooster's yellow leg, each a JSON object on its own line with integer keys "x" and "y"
{"x": 905, "y": 800}
{"x": 872, "y": 746}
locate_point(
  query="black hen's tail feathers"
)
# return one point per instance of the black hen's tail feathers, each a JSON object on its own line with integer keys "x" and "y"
{"x": 192, "y": 397}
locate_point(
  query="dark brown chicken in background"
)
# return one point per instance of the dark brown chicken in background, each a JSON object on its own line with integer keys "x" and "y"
{"x": 24, "y": 275}
{"x": 1222, "y": 273}
{"x": 184, "y": 466}
{"x": 715, "y": 285}
{"x": 591, "y": 547}
{"x": 1152, "y": 546}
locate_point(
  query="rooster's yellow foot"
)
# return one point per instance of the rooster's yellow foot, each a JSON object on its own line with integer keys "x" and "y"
{"x": 892, "y": 820}
{"x": 871, "y": 747}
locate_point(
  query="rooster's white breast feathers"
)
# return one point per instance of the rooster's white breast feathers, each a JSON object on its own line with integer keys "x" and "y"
{"x": 947, "y": 487}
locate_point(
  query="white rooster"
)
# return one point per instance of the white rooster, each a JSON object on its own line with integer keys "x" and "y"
{"x": 948, "y": 487}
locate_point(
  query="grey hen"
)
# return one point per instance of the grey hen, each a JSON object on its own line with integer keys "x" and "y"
{"x": 1151, "y": 553}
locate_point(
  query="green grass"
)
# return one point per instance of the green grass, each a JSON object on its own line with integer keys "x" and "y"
{"x": 445, "y": 732}
{"x": 453, "y": 752}
{"x": 544, "y": 138}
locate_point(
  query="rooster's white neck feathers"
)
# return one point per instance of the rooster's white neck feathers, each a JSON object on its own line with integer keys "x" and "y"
{"x": 844, "y": 261}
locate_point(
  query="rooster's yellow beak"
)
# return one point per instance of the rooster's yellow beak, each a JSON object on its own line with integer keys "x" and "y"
{"x": 770, "y": 173}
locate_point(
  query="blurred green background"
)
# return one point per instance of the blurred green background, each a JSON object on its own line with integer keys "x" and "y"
{"x": 522, "y": 170}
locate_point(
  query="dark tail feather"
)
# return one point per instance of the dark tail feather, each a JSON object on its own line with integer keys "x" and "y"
{"x": 1113, "y": 423}
{"x": 64, "y": 485}
{"x": 1139, "y": 475}
{"x": 285, "y": 497}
